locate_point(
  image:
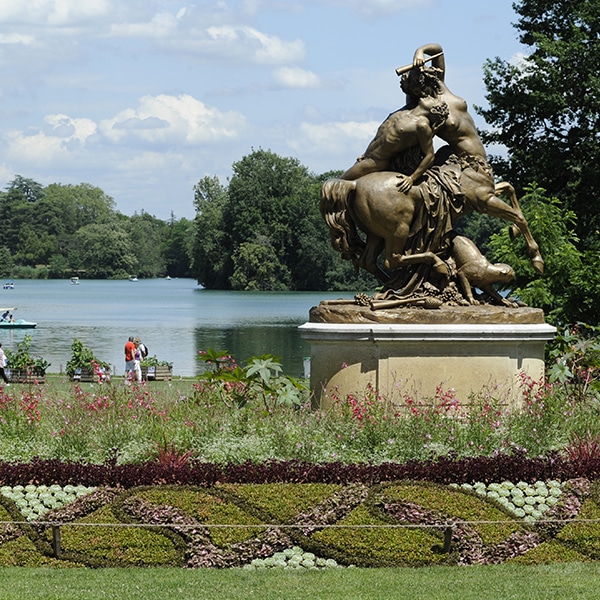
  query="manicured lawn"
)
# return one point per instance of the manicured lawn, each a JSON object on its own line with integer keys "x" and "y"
{"x": 552, "y": 582}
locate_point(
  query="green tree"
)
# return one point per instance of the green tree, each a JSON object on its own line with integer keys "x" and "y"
{"x": 273, "y": 203}
{"x": 177, "y": 247}
{"x": 269, "y": 212}
{"x": 147, "y": 234}
{"x": 545, "y": 109}
{"x": 211, "y": 243}
{"x": 30, "y": 189}
{"x": 58, "y": 267}
{"x": 6, "y": 262}
{"x": 561, "y": 291}
{"x": 257, "y": 267}
{"x": 52, "y": 226}
{"x": 262, "y": 195}
{"x": 15, "y": 211}
{"x": 35, "y": 246}
{"x": 103, "y": 251}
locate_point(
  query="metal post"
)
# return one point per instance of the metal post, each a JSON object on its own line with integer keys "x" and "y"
{"x": 56, "y": 541}
{"x": 447, "y": 538}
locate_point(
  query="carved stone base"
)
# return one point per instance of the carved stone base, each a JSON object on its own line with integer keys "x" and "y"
{"x": 485, "y": 314}
{"x": 410, "y": 352}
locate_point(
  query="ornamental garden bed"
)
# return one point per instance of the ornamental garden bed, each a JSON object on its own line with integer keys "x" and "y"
{"x": 299, "y": 525}
{"x": 84, "y": 366}
{"x": 23, "y": 367}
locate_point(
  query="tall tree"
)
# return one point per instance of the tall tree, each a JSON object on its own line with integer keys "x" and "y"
{"x": 269, "y": 198}
{"x": 30, "y": 189}
{"x": 147, "y": 234}
{"x": 265, "y": 231}
{"x": 545, "y": 108}
{"x": 103, "y": 251}
{"x": 211, "y": 244}
{"x": 177, "y": 247}
{"x": 257, "y": 267}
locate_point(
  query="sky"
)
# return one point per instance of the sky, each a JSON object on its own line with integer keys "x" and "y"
{"x": 144, "y": 98}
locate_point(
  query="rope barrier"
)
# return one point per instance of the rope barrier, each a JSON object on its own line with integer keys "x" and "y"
{"x": 295, "y": 525}
{"x": 448, "y": 527}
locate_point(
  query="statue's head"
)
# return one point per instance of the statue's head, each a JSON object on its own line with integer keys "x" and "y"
{"x": 504, "y": 272}
{"x": 421, "y": 82}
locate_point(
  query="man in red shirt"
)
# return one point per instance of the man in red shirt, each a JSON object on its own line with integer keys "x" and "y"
{"x": 129, "y": 359}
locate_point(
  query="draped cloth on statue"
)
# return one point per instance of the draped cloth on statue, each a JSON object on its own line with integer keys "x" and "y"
{"x": 432, "y": 226}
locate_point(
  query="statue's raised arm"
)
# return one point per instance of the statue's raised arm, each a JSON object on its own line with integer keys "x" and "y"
{"x": 436, "y": 55}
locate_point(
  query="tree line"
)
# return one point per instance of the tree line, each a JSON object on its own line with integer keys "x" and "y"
{"x": 264, "y": 230}
{"x": 261, "y": 232}
{"x": 61, "y": 231}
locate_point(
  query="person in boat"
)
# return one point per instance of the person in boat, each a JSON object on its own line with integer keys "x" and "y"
{"x": 5, "y": 316}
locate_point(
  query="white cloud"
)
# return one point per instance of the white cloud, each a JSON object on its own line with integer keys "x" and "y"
{"x": 247, "y": 42}
{"x": 334, "y": 137}
{"x": 66, "y": 127}
{"x": 297, "y": 78}
{"x": 35, "y": 149}
{"x": 162, "y": 25}
{"x": 20, "y": 39}
{"x": 52, "y": 12}
{"x": 59, "y": 139}
{"x": 151, "y": 164}
{"x": 380, "y": 8}
{"x": 520, "y": 60}
{"x": 172, "y": 119}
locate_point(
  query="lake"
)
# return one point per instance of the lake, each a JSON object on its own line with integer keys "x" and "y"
{"x": 176, "y": 318}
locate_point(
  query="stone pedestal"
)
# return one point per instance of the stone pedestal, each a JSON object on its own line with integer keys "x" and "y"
{"x": 412, "y": 352}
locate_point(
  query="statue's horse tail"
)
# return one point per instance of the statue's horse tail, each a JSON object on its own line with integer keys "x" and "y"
{"x": 335, "y": 194}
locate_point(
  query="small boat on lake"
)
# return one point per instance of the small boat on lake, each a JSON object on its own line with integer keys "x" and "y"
{"x": 7, "y": 321}
{"x": 74, "y": 280}
{"x": 9, "y": 285}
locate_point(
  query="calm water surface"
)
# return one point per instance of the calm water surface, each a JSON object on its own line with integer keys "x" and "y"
{"x": 175, "y": 318}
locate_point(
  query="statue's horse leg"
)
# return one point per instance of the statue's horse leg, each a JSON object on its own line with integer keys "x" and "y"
{"x": 368, "y": 259}
{"x": 536, "y": 258}
{"x": 483, "y": 195}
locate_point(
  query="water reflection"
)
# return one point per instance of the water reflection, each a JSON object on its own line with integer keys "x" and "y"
{"x": 174, "y": 318}
{"x": 246, "y": 341}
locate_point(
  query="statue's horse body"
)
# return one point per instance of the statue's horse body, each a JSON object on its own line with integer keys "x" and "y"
{"x": 418, "y": 221}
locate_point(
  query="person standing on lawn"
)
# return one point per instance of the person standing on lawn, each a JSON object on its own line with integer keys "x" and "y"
{"x": 129, "y": 359}
{"x": 3, "y": 363}
{"x": 137, "y": 360}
